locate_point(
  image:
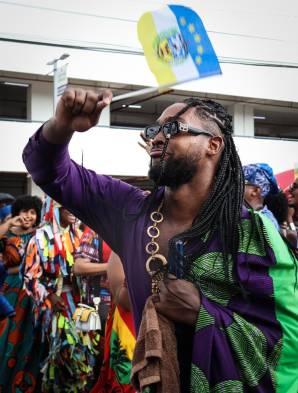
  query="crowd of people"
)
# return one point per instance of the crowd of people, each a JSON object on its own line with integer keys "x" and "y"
{"x": 188, "y": 288}
{"x": 51, "y": 263}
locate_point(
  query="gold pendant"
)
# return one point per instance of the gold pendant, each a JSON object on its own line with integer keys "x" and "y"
{"x": 155, "y": 263}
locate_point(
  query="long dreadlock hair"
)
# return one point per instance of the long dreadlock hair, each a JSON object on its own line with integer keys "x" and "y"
{"x": 221, "y": 211}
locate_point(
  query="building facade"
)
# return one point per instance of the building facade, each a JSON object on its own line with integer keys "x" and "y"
{"x": 255, "y": 43}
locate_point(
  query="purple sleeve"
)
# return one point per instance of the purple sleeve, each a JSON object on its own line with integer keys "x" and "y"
{"x": 101, "y": 202}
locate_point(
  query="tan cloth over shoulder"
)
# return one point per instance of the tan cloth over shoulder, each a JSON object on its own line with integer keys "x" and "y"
{"x": 155, "y": 355}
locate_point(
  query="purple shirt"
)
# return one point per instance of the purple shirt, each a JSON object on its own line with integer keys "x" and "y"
{"x": 107, "y": 205}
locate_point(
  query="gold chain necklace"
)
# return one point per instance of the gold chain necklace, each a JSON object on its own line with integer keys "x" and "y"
{"x": 156, "y": 264}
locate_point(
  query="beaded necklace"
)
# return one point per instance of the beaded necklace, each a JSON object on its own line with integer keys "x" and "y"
{"x": 156, "y": 264}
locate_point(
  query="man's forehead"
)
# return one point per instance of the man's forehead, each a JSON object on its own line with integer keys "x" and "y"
{"x": 172, "y": 110}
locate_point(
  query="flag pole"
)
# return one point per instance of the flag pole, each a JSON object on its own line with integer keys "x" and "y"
{"x": 141, "y": 92}
{"x": 149, "y": 90}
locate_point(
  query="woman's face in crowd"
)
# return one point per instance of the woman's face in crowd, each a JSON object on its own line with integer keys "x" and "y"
{"x": 293, "y": 194}
{"x": 66, "y": 217}
{"x": 29, "y": 218}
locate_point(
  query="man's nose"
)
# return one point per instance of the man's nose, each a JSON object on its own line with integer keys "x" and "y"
{"x": 159, "y": 138}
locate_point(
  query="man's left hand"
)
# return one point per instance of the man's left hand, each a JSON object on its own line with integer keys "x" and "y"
{"x": 179, "y": 300}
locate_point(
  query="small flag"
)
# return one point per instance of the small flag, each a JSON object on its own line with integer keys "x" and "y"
{"x": 176, "y": 45}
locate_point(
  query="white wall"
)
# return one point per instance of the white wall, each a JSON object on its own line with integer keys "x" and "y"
{"x": 116, "y": 151}
{"x": 41, "y": 100}
{"x": 264, "y": 30}
{"x": 243, "y": 119}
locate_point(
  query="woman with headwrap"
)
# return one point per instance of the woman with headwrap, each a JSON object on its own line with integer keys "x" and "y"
{"x": 20, "y": 351}
{"x": 260, "y": 184}
{"x": 48, "y": 278}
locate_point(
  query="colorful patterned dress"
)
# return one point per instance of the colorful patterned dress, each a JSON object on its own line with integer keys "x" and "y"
{"x": 48, "y": 263}
{"x": 20, "y": 349}
{"x": 6, "y": 309}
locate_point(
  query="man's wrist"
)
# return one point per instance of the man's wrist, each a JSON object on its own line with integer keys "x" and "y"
{"x": 55, "y": 133}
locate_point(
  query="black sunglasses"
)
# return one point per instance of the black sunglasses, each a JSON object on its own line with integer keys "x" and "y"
{"x": 173, "y": 128}
{"x": 293, "y": 187}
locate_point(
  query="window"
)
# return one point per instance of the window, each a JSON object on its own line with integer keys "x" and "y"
{"x": 276, "y": 123}
{"x": 13, "y": 100}
{"x": 14, "y": 183}
{"x": 139, "y": 112}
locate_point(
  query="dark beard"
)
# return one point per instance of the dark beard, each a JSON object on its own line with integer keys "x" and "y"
{"x": 177, "y": 171}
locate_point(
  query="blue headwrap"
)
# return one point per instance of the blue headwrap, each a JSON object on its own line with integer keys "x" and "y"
{"x": 5, "y": 211}
{"x": 261, "y": 175}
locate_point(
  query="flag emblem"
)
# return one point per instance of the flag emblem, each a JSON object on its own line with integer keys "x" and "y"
{"x": 176, "y": 45}
{"x": 171, "y": 47}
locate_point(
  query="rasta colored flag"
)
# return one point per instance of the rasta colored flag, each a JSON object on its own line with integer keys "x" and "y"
{"x": 176, "y": 45}
{"x": 119, "y": 346}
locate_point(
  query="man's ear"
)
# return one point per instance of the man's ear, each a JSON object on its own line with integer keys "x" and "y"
{"x": 216, "y": 144}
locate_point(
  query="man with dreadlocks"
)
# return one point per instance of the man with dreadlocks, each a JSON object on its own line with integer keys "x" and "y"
{"x": 222, "y": 273}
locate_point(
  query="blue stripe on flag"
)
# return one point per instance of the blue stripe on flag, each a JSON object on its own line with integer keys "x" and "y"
{"x": 196, "y": 37}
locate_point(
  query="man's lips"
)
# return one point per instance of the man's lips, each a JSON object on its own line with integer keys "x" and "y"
{"x": 157, "y": 153}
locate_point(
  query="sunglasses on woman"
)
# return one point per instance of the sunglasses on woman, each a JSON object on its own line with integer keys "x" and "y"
{"x": 173, "y": 128}
{"x": 293, "y": 187}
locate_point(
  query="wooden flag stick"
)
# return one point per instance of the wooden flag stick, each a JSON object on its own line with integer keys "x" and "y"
{"x": 142, "y": 92}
